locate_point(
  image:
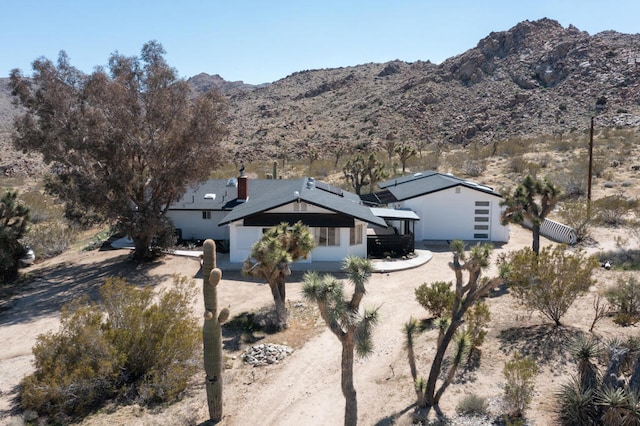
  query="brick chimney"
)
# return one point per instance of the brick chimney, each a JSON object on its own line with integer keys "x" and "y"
{"x": 243, "y": 190}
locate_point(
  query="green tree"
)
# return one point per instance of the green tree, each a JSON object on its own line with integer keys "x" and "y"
{"x": 14, "y": 218}
{"x": 126, "y": 142}
{"x": 550, "y": 281}
{"x": 271, "y": 256}
{"x": 531, "y": 201}
{"x": 343, "y": 317}
{"x": 466, "y": 296}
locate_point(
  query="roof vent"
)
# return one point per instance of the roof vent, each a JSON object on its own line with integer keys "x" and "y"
{"x": 232, "y": 183}
{"x": 311, "y": 183}
{"x": 209, "y": 196}
{"x": 417, "y": 174}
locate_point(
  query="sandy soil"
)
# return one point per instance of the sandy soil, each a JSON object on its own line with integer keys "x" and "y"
{"x": 305, "y": 387}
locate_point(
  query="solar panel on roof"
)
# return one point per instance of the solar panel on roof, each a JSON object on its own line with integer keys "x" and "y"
{"x": 329, "y": 188}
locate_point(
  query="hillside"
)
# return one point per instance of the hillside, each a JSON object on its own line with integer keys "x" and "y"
{"x": 538, "y": 78}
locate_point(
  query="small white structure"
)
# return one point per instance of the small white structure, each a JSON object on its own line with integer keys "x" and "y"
{"x": 449, "y": 208}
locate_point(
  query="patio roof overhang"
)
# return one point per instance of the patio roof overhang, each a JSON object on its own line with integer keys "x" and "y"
{"x": 395, "y": 214}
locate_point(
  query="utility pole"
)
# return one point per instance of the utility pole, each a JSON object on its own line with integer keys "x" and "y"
{"x": 590, "y": 167}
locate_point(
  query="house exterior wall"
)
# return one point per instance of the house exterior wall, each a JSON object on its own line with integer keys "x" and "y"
{"x": 451, "y": 214}
{"x": 193, "y": 226}
{"x": 243, "y": 237}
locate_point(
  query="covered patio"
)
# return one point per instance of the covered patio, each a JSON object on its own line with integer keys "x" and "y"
{"x": 397, "y": 239}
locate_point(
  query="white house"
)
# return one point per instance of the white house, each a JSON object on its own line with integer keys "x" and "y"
{"x": 239, "y": 210}
{"x": 449, "y": 208}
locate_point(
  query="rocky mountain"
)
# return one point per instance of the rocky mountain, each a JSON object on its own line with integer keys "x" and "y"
{"x": 538, "y": 78}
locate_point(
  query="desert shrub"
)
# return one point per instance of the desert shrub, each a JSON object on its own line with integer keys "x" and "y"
{"x": 42, "y": 206}
{"x": 611, "y": 210}
{"x": 518, "y": 164}
{"x": 473, "y": 168}
{"x": 513, "y": 147}
{"x": 624, "y": 298}
{"x": 472, "y": 405}
{"x": 572, "y": 181}
{"x": 519, "y": 374}
{"x": 136, "y": 346}
{"x": 622, "y": 259}
{"x": 550, "y": 281}
{"x": 436, "y": 298}
{"x": 49, "y": 239}
{"x": 545, "y": 160}
{"x": 576, "y": 215}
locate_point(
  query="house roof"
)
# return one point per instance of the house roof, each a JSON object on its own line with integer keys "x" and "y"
{"x": 268, "y": 194}
{"x": 421, "y": 183}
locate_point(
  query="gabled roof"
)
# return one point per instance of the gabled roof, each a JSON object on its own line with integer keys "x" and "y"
{"x": 268, "y": 194}
{"x": 422, "y": 183}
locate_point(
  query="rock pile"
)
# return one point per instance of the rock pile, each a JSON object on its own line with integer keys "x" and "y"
{"x": 265, "y": 354}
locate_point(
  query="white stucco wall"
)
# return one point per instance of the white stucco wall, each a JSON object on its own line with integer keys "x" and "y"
{"x": 193, "y": 226}
{"x": 243, "y": 237}
{"x": 449, "y": 215}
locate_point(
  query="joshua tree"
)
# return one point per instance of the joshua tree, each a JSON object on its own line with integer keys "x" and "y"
{"x": 607, "y": 398}
{"x": 344, "y": 319}
{"x": 466, "y": 296}
{"x": 278, "y": 247}
{"x": 405, "y": 152}
{"x": 14, "y": 218}
{"x": 356, "y": 172}
{"x": 212, "y": 330}
{"x": 376, "y": 172}
{"x": 523, "y": 205}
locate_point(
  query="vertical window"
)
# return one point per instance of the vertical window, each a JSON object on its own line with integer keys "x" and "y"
{"x": 482, "y": 216}
{"x": 355, "y": 235}
{"x": 206, "y": 215}
{"x": 327, "y": 237}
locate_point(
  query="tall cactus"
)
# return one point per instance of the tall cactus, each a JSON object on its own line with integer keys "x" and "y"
{"x": 212, "y": 330}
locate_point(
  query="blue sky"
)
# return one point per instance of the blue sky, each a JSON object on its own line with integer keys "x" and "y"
{"x": 263, "y": 41}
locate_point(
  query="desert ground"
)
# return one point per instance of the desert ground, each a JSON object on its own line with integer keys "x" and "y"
{"x": 304, "y": 388}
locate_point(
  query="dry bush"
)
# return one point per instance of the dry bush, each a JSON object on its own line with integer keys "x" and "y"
{"x": 136, "y": 346}
{"x": 513, "y": 147}
{"x": 613, "y": 210}
{"x": 624, "y": 298}
{"x": 49, "y": 239}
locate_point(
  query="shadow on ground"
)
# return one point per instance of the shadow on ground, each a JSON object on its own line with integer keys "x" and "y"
{"x": 545, "y": 343}
{"x": 44, "y": 292}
